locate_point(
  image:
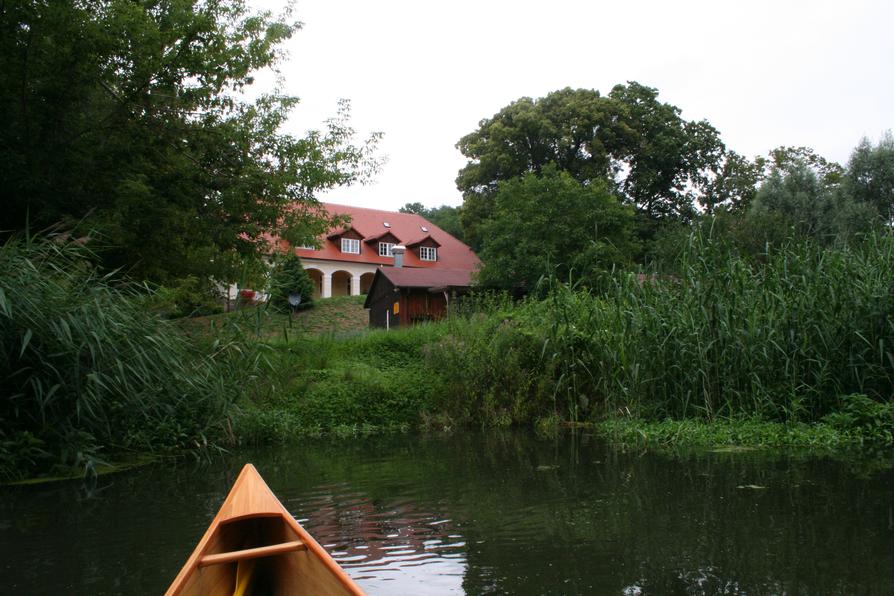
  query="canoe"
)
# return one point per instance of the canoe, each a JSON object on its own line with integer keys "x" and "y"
{"x": 254, "y": 546}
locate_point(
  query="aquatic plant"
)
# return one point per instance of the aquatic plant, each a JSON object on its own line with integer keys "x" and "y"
{"x": 784, "y": 339}
{"x": 87, "y": 371}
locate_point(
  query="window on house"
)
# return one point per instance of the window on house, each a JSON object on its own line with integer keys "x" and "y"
{"x": 385, "y": 249}
{"x": 350, "y": 245}
{"x": 428, "y": 253}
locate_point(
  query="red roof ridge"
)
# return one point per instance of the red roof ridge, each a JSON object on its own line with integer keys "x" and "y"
{"x": 392, "y": 211}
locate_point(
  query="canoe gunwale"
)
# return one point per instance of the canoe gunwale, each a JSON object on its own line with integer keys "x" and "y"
{"x": 239, "y": 505}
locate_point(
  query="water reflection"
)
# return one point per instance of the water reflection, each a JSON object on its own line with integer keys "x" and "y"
{"x": 390, "y": 546}
{"x": 479, "y": 514}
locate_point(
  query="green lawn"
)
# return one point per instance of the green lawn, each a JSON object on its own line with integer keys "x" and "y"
{"x": 343, "y": 315}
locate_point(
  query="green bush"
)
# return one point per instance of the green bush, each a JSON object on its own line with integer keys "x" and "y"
{"x": 864, "y": 419}
{"x": 778, "y": 339}
{"x": 186, "y": 297}
{"x": 290, "y": 277}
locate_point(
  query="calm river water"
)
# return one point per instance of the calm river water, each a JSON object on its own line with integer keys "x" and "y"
{"x": 479, "y": 514}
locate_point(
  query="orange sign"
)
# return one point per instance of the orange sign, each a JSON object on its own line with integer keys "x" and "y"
{"x": 397, "y": 308}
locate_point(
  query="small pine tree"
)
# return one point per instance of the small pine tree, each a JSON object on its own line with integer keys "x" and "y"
{"x": 290, "y": 277}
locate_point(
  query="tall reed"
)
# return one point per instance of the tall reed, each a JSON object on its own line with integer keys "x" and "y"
{"x": 86, "y": 370}
{"x": 782, "y": 340}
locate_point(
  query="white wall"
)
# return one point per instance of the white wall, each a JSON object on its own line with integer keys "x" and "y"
{"x": 355, "y": 270}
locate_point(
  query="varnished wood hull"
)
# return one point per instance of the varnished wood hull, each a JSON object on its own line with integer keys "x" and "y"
{"x": 254, "y": 537}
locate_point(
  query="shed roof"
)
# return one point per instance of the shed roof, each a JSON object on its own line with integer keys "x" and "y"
{"x": 411, "y": 277}
{"x": 415, "y": 277}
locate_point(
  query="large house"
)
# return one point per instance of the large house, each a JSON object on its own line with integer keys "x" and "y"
{"x": 346, "y": 259}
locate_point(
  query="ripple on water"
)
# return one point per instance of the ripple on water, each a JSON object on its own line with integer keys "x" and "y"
{"x": 387, "y": 545}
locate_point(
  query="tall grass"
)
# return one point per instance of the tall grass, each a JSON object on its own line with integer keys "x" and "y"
{"x": 783, "y": 339}
{"x": 87, "y": 371}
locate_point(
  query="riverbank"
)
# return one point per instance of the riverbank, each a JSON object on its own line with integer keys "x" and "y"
{"x": 794, "y": 350}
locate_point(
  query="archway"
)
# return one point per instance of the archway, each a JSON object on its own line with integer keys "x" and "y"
{"x": 316, "y": 276}
{"x": 341, "y": 283}
{"x": 365, "y": 282}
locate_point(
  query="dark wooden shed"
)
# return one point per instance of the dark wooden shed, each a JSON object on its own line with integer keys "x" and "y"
{"x": 404, "y": 295}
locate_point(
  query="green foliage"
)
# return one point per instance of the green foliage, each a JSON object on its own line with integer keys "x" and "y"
{"x": 870, "y": 176}
{"x": 776, "y": 340}
{"x": 732, "y": 184}
{"x": 445, "y": 217}
{"x": 552, "y": 225}
{"x": 795, "y": 203}
{"x": 650, "y": 156}
{"x": 289, "y": 277}
{"x": 786, "y": 159}
{"x": 87, "y": 371}
{"x": 325, "y": 384}
{"x": 864, "y": 419}
{"x": 187, "y": 297}
{"x": 124, "y": 118}
{"x": 779, "y": 340}
{"x": 723, "y": 434}
{"x": 488, "y": 370}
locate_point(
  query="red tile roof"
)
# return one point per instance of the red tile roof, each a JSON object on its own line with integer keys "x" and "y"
{"x": 406, "y": 227}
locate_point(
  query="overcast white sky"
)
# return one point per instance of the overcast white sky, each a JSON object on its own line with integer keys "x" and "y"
{"x": 764, "y": 73}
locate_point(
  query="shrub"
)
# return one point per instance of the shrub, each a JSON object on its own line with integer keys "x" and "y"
{"x": 186, "y": 297}
{"x": 289, "y": 277}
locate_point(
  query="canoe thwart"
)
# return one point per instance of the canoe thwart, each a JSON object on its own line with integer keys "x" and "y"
{"x": 252, "y": 553}
{"x": 254, "y": 545}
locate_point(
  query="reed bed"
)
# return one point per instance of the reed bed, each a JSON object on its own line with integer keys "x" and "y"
{"x": 87, "y": 372}
{"x": 788, "y": 337}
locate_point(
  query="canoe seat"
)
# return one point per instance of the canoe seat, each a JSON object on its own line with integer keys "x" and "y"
{"x": 252, "y": 553}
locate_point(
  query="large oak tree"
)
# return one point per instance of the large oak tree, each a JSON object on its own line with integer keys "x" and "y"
{"x": 641, "y": 147}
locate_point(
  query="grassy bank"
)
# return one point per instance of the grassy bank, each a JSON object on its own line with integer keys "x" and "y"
{"x": 791, "y": 350}
{"x": 338, "y": 316}
{"x": 795, "y": 349}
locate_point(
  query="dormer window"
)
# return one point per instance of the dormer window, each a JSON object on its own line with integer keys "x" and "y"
{"x": 385, "y": 249}
{"x": 350, "y": 246}
{"x": 428, "y": 253}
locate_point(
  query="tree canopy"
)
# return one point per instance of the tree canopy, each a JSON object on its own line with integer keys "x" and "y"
{"x": 445, "y": 217}
{"x": 550, "y": 224}
{"x": 870, "y": 176}
{"x": 640, "y": 147}
{"x": 127, "y": 118}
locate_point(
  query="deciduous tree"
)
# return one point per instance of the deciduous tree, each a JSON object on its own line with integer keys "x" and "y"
{"x": 127, "y": 117}
{"x": 551, "y": 224}
{"x": 870, "y": 176}
{"x": 640, "y": 147}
